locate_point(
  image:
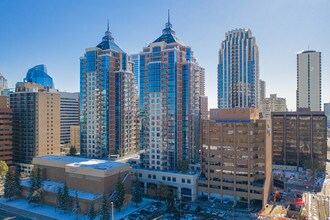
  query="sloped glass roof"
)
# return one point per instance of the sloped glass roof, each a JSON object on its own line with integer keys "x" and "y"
{"x": 108, "y": 42}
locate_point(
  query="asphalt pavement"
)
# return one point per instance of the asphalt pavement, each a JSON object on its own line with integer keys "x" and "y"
{"x": 7, "y": 215}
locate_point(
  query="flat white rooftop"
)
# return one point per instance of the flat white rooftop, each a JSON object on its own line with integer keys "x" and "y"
{"x": 83, "y": 162}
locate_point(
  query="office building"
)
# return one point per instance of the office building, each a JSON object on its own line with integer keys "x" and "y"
{"x": 108, "y": 124}
{"x": 39, "y": 75}
{"x": 309, "y": 80}
{"x": 238, "y": 70}
{"x": 3, "y": 83}
{"x": 69, "y": 107}
{"x": 6, "y": 148}
{"x": 327, "y": 113}
{"x": 272, "y": 104}
{"x": 299, "y": 138}
{"x": 262, "y": 90}
{"x": 236, "y": 156}
{"x": 204, "y": 107}
{"x": 36, "y": 122}
{"x": 136, "y": 71}
{"x": 169, "y": 103}
{"x": 75, "y": 137}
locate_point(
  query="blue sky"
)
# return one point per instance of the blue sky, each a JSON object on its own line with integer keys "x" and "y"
{"x": 56, "y": 33}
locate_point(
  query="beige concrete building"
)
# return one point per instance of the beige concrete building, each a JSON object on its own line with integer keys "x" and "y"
{"x": 36, "y": 122}
{"x": 298, "y": 138}
{"x": 6, "y": 151}
{"x": 204, "y": 107}
{"x": 236, "y": 156}
{"x": 91, "y": 178}
{"x": 75, "y": 137}
{"x": 272, "y": 104}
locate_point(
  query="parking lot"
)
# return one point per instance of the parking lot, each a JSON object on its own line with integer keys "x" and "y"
{"x": 150, "y": 211}
{"x": 213, "y": 209}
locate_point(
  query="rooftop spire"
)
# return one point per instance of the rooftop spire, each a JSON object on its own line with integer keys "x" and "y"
{"x": 107, "y": 36}
{"x": 168, "y": 25}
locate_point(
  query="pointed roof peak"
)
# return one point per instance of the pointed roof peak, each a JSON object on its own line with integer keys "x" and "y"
{"x": 168, "y": 25}
{"x": 107, "y": 35}
{"x": 108, "y": 41}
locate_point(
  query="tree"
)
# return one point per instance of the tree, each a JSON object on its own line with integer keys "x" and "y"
{"x": 137, "y": 191}
{"x": 9, "y": 187}
{"x": 119, "y": 195}
{"x": 104, "y": 211}
{"x": 59, "y": 198}
{"x": 183, "y": 166}
{"x": 36, "y": 192}
{"x": 12, "y": 185}
{"x": 91, "y": 215}
{"x": 73, "y": 151}
{"x": 163, "y": 192}
{"x": 76, "y": 208}
{"x": 3, "y": 168}
{"x": 17, "y": 183}
{"x": 66, "y": 201}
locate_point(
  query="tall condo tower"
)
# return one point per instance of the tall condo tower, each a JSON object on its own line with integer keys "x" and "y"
{"x": 238, "y": 70}
{"x": 309, "y": 80}
{"x": 107, "y": 107}
{"x": 170, "y": 81}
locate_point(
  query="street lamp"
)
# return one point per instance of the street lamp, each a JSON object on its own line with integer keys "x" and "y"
{"x": 112, "y": 213}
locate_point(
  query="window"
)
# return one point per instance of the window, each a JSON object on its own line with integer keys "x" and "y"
{"x": 149, "y": 176}
{"x": 140, "y": 174}
{"x": 154, "y": 176}
{"x": 188, "y": 181}
{"x": 183, "y": 180}
{"x": 173, "y": 179}
{"x": 164, "y": 178}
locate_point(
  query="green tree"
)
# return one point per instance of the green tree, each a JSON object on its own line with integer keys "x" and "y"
{"x": 136, "y": 191}
{"x": 66, "y": 198}
{"x": 183, "y": 166}
{"x": 17, "y": 183}
{"x": 59, "y": 198}
{"x": 72, "y": 151}
{"x": 8, "y": 186}
{"x": 119, "y": 195}
{"x": 91, "y": 215}
{"x": 3, "y": 168}
{"x": 162, "y": 191}
{"x": 104, "y": 211}
{"x": 77, "y": 209}
{"x": 35, "y": 192}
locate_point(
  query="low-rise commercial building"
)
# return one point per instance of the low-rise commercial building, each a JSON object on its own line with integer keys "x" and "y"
{"x": 91, "y": 178}
{"x": 180, "y": 185}
{"x": 236, "y": 156}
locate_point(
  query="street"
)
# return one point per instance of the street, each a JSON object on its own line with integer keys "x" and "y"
{"x": 7, "y": 215}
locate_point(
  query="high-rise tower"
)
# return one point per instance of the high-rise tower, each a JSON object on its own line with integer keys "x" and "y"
{"x": 238, "y": 70}
{"x": 309, "y": 80}
{"x": 107, "y": 107}
{"x": 169, "y": 103}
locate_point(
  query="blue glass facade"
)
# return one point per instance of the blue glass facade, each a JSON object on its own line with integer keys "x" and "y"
{"x": 107, "y": 108}
{"x": 38, "y": 75}
{"x": 169, "y": 103}
{"x": 238, "y": 70}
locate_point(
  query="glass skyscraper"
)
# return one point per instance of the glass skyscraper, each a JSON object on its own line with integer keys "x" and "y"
{"x": 169, "y": 103}
{"x": 238, "y": 70}
{"x": 107, "y": 107}
{"x": 38, "y": 75}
